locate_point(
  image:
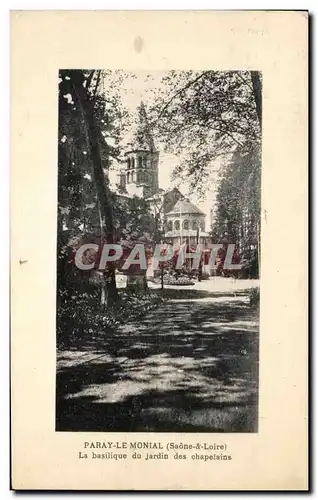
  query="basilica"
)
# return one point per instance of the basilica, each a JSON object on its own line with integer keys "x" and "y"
{"x": 138, "y": 176}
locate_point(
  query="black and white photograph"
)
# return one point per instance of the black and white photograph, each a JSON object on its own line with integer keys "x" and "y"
{"x": 158, "y": 250}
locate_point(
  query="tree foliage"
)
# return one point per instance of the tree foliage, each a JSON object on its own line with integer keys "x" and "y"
{"x": 132, "y": 217}
{"x": 214, "y": 118}
{"x": 238, "y": 201}
{"x": 205, "y": 116}
{"x": 78, "y": 190}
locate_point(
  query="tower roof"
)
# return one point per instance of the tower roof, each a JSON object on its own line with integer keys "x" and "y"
{"x": 142, "y": 135}
{"x": 185, "y": 207}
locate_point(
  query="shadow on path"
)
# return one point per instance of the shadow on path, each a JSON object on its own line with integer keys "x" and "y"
{"x": 190, "y": 366}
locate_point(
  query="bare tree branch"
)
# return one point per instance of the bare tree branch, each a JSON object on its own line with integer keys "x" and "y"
{"x": 189, "y": 84}
{"x": 223, "y": 131}
{"x": 244, "y": 81}
{"x": 97, "y": 83}
{"x": 89, "y": 79}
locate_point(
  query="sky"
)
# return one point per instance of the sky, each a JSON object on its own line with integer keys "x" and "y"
{"x": 140, "y": 86}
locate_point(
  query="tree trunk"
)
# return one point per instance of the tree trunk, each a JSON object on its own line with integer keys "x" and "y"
{"x": 257, "y": 90}
{"x": 137, "y": 282}
{"x": 100, "y": 181}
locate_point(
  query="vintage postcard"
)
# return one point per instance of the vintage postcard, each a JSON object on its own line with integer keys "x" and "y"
{"x": 159, "y": 176}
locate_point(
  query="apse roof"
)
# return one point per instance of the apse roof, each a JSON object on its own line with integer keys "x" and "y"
{"x": 185, "y": 207}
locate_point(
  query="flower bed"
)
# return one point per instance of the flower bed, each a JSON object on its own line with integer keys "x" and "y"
{"x": 182, "y": 281}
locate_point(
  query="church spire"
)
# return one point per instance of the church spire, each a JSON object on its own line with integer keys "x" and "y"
{"x": 141, "y": 173}
{"x": 143, "y": 139}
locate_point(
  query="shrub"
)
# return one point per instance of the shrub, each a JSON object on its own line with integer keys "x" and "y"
{"x": 80, "y": 314}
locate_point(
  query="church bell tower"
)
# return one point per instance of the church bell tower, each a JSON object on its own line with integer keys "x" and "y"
{"x": 140, "y": 173}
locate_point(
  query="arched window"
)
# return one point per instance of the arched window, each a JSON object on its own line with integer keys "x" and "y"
{"x": 128, "y": 177}
{"x": 186, "y": 224}
{"x": 132, "y": 164}
{"x": 170, "y": 225}
{"x": 202, "y": 227}
{"x": 139, "y": 161}
{"x": 128, "y": 163}
{"x": 145, "y": 161}
{"x": 177, "y": 225}
{"x": 194, "y": 225}
{"x": 133, "y": 179}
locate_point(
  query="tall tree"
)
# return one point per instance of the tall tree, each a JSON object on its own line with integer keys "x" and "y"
{"x": 238, "y": 201}
{"x": 84, "y": 157}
